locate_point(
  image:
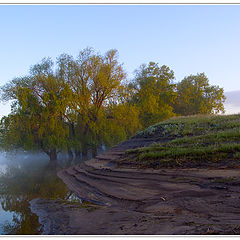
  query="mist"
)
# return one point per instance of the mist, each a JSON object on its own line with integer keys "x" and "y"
{"x": 21, "y": 159}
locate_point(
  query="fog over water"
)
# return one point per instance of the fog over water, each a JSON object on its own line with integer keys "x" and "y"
{"x": 3, "y": 164}
{"x": 25, "y": 176}
{"x": 19, "y": 159}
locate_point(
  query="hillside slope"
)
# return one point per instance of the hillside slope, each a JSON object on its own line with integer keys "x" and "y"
{"x": 196, "y": 141}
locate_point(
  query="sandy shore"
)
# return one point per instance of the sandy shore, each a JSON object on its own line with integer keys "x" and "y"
{"x": 137, "y": 201}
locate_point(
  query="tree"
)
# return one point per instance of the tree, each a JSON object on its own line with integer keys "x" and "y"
{"x": 154, "y": 93}
{"x": 66, "y": 108}
{"x": 95, "y": 81}
{"x": 122, "y": 118}
{"x": 196, "y": 96}
{"x": 37, "y": 118}
{"x": 81, "y": 103}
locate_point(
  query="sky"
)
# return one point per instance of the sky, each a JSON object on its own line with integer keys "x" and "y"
{"x": 188, "y": 38}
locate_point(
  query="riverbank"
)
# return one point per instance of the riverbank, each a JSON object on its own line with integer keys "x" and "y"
{"x": 134, "y": 199}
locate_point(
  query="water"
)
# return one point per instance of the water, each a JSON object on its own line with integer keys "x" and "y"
{"x": 24, "y": 177}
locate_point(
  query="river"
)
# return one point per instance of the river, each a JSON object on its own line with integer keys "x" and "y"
{"x": 24, "y": 177}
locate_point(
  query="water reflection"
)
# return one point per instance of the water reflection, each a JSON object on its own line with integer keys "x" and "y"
{"x": 21, "y": 181}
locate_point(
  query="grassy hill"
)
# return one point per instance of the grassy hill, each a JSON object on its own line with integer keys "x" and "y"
{"x": 194, "y": 141}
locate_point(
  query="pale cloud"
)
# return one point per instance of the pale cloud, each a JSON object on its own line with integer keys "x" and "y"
{"x": 231, "y": 109}
{"x": 232, "y": 104}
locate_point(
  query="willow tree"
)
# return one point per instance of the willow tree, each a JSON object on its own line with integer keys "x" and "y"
{"x": 95, "y": 81}
{"x": 37, "y": 117}
{"x": 122, "y": 122}
{"x": 154, "y": 93}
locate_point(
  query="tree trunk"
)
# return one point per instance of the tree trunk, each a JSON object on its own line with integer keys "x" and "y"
{"x": 94, "y": 151}
{"x": 77, "y": 154}
{"x": 84, "y": 152}
{"x": 53, "y": 156}
{"x": 70, "y": 155}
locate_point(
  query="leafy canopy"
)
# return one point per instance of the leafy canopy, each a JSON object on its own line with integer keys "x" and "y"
{"x": 196, "y": 96}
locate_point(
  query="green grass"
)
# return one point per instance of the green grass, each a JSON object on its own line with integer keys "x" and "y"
{"x": 192, "y": 125}
{"x": 198, "y": 140}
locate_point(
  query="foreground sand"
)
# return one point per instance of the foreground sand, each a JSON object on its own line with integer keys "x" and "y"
{"x": 143, "y": 201}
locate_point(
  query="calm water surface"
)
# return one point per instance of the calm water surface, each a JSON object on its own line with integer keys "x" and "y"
{"x": 24, "y": 177}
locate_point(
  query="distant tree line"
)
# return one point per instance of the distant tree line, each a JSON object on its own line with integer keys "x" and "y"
{"x": 78, "y": 104}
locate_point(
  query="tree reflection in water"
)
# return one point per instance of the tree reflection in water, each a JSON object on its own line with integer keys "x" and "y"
{"x": 20, "y": 184}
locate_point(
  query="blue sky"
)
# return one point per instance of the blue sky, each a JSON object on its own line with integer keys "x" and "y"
{"x": 188, "y": 38}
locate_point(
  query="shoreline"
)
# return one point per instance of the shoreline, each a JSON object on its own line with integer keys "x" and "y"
{"x": 143, "y": 201}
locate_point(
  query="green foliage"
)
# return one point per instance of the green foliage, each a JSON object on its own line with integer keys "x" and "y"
{"x": 154, "y": 93}
{"x": 123, "y": 122}
{"x": 96, "y": 83}
{"x": 77, "y": 105}
{"x": 196, "y": 96}
{"x": 81, "y": 103}
{"x": 37, "y": 119}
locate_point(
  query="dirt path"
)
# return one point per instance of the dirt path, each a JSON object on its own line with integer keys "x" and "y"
{"x": 136, "y": 201}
